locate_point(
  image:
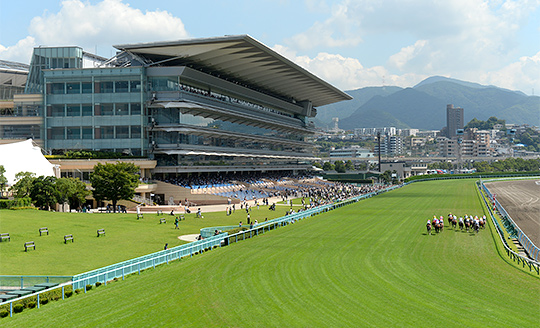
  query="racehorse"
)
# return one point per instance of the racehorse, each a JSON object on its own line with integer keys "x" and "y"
{"x": 482, "y": 224}
{"x": 460, "y": 224}
{"x": 454, "y": 222}
{"x": 467, "y": 224}
{"x": 428, "y": 226}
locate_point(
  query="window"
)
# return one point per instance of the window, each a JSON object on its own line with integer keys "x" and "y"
{"x": 74, "y": 133}
{"x": 135, "y": 109}
{"x": 57, "y": 110}
{"x": 86, "y": 110}
{"x": 122, "y": 132}
{"x": 121, "y": 109}
{"x": 57, "y": 133}
{"x": 121, "y": 86}
{"x": 106, "y": 87}
{"x": 87, "y": 87}
{"x": 73, "y": 110}
{"x": 87, "y": 132}
{"x": 73, "y": 88}
{"x": 135, "y": 86}
{"x": 107, "y": 132}
{"x": 57, "y": 88}
{"x": 135, "y": 131}
{"x": 107, "y": 109}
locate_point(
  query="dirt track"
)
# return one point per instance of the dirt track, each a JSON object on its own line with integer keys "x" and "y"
{"x": 521, "y": 199}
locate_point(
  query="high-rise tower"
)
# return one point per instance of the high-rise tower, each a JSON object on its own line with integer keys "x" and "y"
{"x": 454, "y": 120}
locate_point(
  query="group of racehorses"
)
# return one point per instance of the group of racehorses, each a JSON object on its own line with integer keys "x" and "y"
{"x": 467, "y": 223}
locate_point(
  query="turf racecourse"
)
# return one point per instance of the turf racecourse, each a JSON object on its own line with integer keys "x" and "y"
{"x": 365, "y": 265}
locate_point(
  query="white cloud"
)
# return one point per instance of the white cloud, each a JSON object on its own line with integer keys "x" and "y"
{"x": 521, "y": 75}
{"x": 101, "y": 25}
{"x": 459, "y": 38}
{"x": 21, "y": 52}
{"x": 348, "y": 73}
{"x": 336, "y": 31}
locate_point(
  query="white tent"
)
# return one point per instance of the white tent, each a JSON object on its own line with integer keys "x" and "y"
{"x": 24, "y": 157}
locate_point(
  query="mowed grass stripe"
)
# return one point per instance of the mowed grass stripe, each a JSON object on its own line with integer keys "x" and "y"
{"x": 368, "y": 264}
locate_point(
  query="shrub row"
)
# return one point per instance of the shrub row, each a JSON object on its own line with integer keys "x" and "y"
{"x": 473, "y": 175}
{"x": 16, "y": 203}
{"x": 31, "y": 302}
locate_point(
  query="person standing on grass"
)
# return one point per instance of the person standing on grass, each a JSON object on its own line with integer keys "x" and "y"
{"x": 166, "y": 247}
{"x": 176, "y": 223}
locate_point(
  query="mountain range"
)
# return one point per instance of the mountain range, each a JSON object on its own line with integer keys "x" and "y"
{"x": 424, "y": 105}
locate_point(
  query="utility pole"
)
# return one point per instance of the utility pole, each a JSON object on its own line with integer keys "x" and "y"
{"x": 379, "y": 143}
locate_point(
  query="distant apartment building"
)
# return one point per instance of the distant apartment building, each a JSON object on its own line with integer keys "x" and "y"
{"x": 352, "y": 152}
{"x": 390, "y": 145}
{"x": 427, "y": 133}
{"x": 454, "y": 120}
{"x": 408, "y": 132}
{"x": 391, "y": 130}
{"x": 467, "y": 148}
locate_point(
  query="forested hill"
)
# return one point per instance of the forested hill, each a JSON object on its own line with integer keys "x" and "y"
{"x": 424, "y": 106}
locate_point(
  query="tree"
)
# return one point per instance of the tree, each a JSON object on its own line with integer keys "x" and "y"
{"x": 3, "y": 179}
{"x": 327, "y": 166}
{"x": 386, "y": 176}
{"x": 349, "y": 166}
{"x": 72, "y": 191}
{"x": 23, "y": 185}
{"x": 114, "y": 182}
{"x": 339, "y": 167}
{"x": 43, "y": 192}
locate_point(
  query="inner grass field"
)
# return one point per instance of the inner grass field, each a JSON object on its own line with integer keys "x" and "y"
{"x": 369, "y": 264}
{"x": 126, "y": 238}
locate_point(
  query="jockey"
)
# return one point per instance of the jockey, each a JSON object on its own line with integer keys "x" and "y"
{"x": 428, "y": 222}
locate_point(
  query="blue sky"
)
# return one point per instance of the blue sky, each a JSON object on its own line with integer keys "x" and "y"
{"x": 350, "y": 43}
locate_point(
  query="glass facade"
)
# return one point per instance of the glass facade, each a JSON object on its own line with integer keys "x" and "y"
{"x": 122, "y": 109}
{"x": 95, "y": 109}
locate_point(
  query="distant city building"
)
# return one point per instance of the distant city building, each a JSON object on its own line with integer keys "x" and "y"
{"x": 390, "y": 145}
{"x": 408, "y": 132}
{"x": 454, "y": 120}
{"x": 391, "y": 130}
{"x": 427, "y": 133}
{"x": 352, "y": 152}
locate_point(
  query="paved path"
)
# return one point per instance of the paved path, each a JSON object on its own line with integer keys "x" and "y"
{"x": 189, "y": 238}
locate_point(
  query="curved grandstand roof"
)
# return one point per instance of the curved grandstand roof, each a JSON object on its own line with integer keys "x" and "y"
{"x": 244, "y": 60}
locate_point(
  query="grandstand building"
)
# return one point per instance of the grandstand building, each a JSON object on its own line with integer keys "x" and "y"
{"x": 212, "y": 105}
{"x": 201, "y": 105}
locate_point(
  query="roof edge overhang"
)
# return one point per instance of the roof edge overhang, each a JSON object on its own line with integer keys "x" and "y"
{"x": 312, "y": 83}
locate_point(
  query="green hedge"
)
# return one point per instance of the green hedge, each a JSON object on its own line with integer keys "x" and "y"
{"x": 473, "y": 175}
{"x": 14, "y": 203}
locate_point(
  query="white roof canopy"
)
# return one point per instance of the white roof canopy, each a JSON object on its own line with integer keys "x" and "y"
{"x": 243, "y": 59}
{"x": 24, "y": 157}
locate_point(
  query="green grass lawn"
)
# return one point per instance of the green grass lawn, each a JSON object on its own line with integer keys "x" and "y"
{"x": 365, "y": 265}
{"x": 126, "y": 238}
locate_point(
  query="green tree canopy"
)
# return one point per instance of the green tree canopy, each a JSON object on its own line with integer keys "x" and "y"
{"x": 3, "y": 179}
{"x": 349, "y": 166}
{"x": 72, "y": 191}
{"x": 339, "y": 167}
{"x": 43, "y": 192}
{"x": 23, "y": 185}
{"x": 114, "y": 182}
{"x": 327, "y": 166}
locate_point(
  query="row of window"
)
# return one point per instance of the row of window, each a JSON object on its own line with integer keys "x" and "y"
{"x": 88, "y": 132}
{"x": 96, "y": 110}
{"x": 97, "y": 87}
